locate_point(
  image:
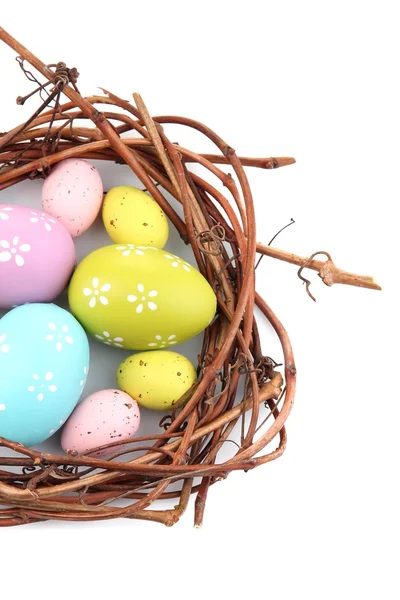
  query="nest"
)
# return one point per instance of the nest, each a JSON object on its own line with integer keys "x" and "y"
{"x": 237, "y": 382}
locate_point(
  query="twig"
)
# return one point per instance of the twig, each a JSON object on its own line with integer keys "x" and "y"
{"x": 326, "y": 269}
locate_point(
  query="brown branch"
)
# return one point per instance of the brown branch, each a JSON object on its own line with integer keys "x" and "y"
{"x": 260, "y": 163}
{"x": 326, "y": 269}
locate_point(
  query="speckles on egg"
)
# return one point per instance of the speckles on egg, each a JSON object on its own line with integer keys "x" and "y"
{"x": 102, "y": 418}
{"x": 73, "y": 194}
{"x": 156, "y": 379}
{"x": 132, "y": 216}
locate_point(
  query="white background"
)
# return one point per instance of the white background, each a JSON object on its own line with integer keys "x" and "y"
{"x": 314, "y": 80}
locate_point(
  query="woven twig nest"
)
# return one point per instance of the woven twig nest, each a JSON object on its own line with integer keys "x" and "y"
{"x": 37, "y": 486}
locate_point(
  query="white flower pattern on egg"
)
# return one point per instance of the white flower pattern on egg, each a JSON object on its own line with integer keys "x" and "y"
{"x": 41, "y": 217}
{"x": 97, "y": 292}
{"x": 12, "y": 250}
{"x": 177, "y": 262}
{"x": 143, "y": 299}
{"x": 108, "y": 341}
{"x": 3, "y": 213}
{"x": 127, "y": 249}
{"x": 39, "y": 387}
{"x": 3, "y": 406}
{"x": 4, "y": 347}
{"x": 161, "y": 343}
{"x": 60, "y": 337}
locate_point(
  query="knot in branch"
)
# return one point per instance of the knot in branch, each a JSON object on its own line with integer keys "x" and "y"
{"x": 64, "y": 75}
{"x": 244, "y": 364}
{"x": 265, "y": 369}
{"x": 214, "y": 238}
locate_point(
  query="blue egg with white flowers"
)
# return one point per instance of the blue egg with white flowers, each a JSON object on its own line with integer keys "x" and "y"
{"x": 44, "y": 362}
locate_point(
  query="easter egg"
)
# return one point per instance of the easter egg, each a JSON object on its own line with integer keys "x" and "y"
{"x": 73, "y": 194}
{"x": 156, "y": 379}
{"x": 44, "y": 358}
{"x": 140, "y": 298}
{"x": 132, "y": 216}
{"x": 37, "y": 256}
{"x": 101, "y": 418}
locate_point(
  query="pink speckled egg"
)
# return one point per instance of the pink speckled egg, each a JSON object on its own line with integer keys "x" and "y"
{"x": 73, "y": 194}
{"x": 37, "y": 256}
{"x": 102, "y": 418}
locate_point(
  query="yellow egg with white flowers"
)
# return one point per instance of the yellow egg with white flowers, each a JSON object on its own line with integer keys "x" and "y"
{"x": 140, "y": 297}
{"x": 131, "y": 216}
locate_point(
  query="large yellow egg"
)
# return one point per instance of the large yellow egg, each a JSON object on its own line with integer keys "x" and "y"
{"x": 157, "y": 379}
{"x": 140, "y": 298}
{"x": 132, "y": 217}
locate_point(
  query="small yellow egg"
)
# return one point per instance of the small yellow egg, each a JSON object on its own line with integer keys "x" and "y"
{"x": 132, "y": 217}
{"x": 156, "y": 379}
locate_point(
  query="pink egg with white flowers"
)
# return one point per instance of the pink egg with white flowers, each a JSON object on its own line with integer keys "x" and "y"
{"x": 102, "y": 418}
{"x": 73, "y": 194}
{"x": 37, "y": 256}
